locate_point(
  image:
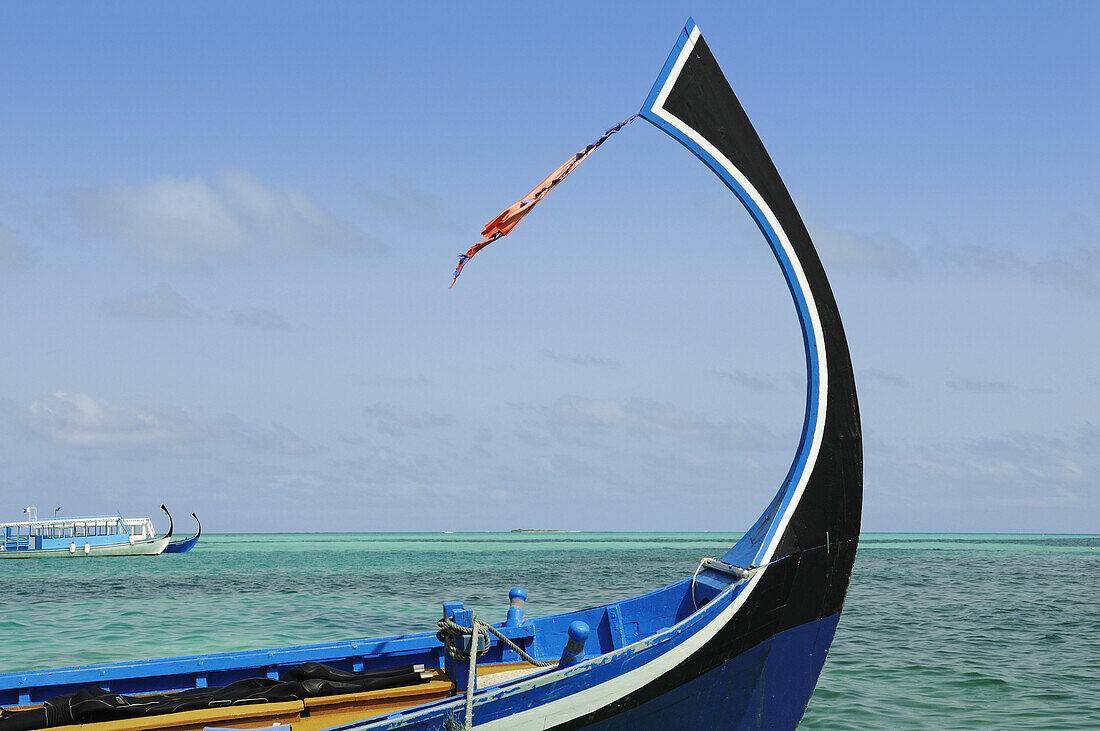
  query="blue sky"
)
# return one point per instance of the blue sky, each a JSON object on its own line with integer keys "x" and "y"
{"x": 226, "y": 235}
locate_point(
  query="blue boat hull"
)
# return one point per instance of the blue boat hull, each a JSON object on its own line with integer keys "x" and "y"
{"x": 181, "y": 546}
{"x": 768, "y": 686}
{"x": 185, "y": 545}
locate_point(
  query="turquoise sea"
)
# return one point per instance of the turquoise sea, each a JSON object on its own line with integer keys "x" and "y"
{"x": 939, "y": 631}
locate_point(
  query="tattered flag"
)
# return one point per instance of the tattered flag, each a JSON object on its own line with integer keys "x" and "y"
{"x": 503, "y": 224}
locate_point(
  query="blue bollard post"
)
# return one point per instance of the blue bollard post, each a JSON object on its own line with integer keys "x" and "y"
{"x": 574, "y": 648}
{"x": 461, "y": 668}
{"x": 516, "y": 598}
{"x": 448, "y": 664}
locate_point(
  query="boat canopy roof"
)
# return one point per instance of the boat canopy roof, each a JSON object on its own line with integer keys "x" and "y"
{"x": 81, "y": 520}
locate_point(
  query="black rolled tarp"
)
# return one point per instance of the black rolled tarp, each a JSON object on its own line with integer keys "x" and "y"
{"x": 310, "y": 680}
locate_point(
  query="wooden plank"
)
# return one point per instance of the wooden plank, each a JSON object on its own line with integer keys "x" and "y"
{"x": 503, "y": 667}
{"x": 255, "y": 715}
{"x": 441, "y": 683}
{"x": 312, "y": 714}
{"x": 322, "y": 713}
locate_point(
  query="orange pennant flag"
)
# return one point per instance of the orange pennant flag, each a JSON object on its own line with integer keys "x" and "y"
{"x": 503, "y": 224}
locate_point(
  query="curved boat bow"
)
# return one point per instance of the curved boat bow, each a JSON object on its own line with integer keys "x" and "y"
{"x": 820, "y": 501}
{"x": 750, "y": 632}
{"x": 171, "y": 525}
{"x": 740, "y": 644}
{"x": 183, "y": 545}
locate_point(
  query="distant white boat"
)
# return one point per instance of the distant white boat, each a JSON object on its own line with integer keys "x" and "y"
{"x": 87, "y": 535}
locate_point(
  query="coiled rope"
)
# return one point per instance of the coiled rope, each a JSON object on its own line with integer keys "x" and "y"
{"x": 450, "y": 629}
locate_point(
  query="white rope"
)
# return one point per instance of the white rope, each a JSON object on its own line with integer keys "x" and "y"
{"x": 471, "y": 677}
{"x": 698, "y": 568}
{"x": 714, "y": 564}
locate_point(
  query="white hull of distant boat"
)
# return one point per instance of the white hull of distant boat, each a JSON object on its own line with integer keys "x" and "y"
{"x": 83, "y": 536}
{"x": 151, "y": 547}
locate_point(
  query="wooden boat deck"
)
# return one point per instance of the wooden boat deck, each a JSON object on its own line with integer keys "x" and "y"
{"x": 310, "y": 714}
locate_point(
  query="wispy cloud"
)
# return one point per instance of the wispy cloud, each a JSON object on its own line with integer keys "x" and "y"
{"x": 1058, "y": 497}
{"x": 1015, "y": 468}
{"x": 581, "y": 360}
{"x": 879, "y": 253}
{"x": 1075, "y": 267}
{"x": 418, "y": 379}
{"x": 642, "y": 417}
{"x": 393, "y": 420}
{"x": 980, "y": 385}
{"x": 1078, "y": 271}
{"x": 276, "y": 439}
{"x": 12, "y": 252}
{"x": 972, "y": 257}
{"x": 887, "y": 255}
{"x": 412, "y": 208}
{"x": 753, "y": 383}
{"x": 764, "y": 384}
{"x": 187, "y": 223}
{"x": 83, "y": 421}
{"x": 164, "y": 303}
{"x": 296, "y": 483}
{"x": 161, "y": 303}
{"x": 79, "y": 420}
{"x": 874, "y": 375}
{"x": 260, "y": 319}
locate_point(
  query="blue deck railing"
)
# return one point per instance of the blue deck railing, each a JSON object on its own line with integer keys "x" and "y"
{"x": 18, "y": 543}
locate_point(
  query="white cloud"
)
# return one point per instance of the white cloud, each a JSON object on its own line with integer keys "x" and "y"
{"x": 187, "y": 223}
{"x": 161, "y": 303}
{"x": 79, "y": 420}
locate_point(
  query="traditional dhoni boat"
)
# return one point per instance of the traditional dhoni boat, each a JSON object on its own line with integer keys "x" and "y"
{"x": 86, "y": 535}
{"x": 738, "y": 644}
{"x": 183, "y": 545}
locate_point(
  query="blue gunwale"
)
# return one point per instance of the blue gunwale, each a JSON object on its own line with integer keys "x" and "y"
{"x": 614, "y": 627}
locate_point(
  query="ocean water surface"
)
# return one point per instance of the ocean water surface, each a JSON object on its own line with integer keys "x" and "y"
{"x": 939, "y": 631}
